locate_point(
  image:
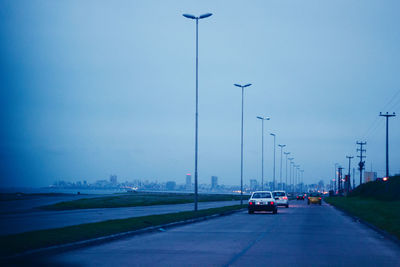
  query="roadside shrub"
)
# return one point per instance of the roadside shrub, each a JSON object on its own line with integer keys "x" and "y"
{"x": 388, "y": 191}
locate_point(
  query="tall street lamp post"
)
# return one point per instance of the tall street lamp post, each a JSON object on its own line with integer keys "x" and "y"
{"x": 280, "y": 172}
{"x": 286, "y": 183}
{"x": 302, "y": 180}
{"x": 241, "y": 145}
{"x": 197, "y": 103}
{"x": 297, "y": 176}
{"x": 291, "y": 175}
{"x": 273, "y": 186}
{"x": 262, "y": 149}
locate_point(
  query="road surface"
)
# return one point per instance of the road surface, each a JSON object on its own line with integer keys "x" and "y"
{"x": 299, "y": 236}
{"x": 38, "y": 220}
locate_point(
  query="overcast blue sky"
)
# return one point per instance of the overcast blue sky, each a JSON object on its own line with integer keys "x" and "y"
{"x": 93, "y": 88}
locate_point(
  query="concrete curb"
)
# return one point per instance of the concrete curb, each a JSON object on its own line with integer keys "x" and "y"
{"x": 373, "y": 227}
{"x": 104, "y": 239}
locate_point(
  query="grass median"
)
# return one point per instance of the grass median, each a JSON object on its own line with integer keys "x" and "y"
{"x": 383, "y": 214}
{"x": 137, "y": 199}
{"x": 17, "y": 243}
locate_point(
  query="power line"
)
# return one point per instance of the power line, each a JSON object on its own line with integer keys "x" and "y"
{"x": 376, "y": 124}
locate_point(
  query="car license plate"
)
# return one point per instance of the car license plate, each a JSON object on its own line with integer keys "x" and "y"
{"x": 260, "y": 203}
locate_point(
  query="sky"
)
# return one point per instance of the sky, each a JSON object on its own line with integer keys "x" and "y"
{"x": 94, "y": 88}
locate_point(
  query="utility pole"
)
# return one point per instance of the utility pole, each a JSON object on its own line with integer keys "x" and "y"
{"x": 354, "y": 181}
{"x": 340, "y": 179}
{"x": 361, "y": 163}
{"x": 348, "y": 182}
{"x": 280, "y": 172}
{"x": 387, "y": 115}
{"x": 336, "y": 179}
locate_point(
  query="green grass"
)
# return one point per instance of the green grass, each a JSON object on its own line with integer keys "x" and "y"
{"x": 17, "y": 243}
{"x": 137, "y": 199}
{"x": 383, "y": 214}
{"x": 24, "y": 196}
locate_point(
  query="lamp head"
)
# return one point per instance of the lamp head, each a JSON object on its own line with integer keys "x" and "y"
{"x": 189, "y": 16}
{"x": 205, "y": 15}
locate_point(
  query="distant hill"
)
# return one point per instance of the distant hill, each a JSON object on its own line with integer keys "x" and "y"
{"x": 388, "y": 191}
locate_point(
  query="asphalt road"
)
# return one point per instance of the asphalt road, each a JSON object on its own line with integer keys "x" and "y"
{"x": 12, "y": 223}
{"x": 299, "y": 236}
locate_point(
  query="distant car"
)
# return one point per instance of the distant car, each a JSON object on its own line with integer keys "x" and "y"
{"x": 314, "y": 198}
{"x": 281, "y": 198}
{"x": 300, "y": 197}
{"x": 262, "y": 201}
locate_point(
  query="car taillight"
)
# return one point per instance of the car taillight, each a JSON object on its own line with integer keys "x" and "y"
{"x": 250, "y": 203}
{"x": 272, "y": 203}
{"x": 319, "y": 198}
{"x": 308, "y": 197}
{"x": 284, "y": 197}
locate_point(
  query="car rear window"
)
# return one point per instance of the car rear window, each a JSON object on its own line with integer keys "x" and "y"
{"x": 314, "y": 195}
{"x": 261, "y": 195}
{"x": 279, "y": 194}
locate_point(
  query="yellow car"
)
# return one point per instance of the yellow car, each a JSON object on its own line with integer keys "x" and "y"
{"x": 314, "y": 198}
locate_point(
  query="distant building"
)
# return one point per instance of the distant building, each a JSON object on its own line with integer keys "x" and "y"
{"x": 214, "y": 182}
{"x": 369, "y": 176}
{"x": 253, "y": 184}
{"x": 188, "y": 185}
{"x": 170, "y": 185}
{"x": 113, "y": 179}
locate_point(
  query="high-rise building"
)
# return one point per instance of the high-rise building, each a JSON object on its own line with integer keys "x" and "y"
{"x": 369, "y": 176}
{"x": 113, "y": 179}
{"x": 214, "y": 182}
{"x": 170, "y": 185}
{"x": 188, "y": 181}
{"x": 253, "y": 184}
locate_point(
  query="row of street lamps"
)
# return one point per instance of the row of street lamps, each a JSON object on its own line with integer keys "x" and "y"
{"x": 296, "y": 168}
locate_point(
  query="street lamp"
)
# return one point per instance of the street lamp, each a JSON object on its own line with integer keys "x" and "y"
{"x": 296, "y": 176}
{"x": 301, "y": 180}
{"x": 262, "y": 149}
{"x": 197, "y": 102}
{"x": 286, "y": 154}
{"x": 241, "y": 145}
{"x": 280, "y": 172}
{"x": 273, "y": 188}
{"x": 290, "y": 176}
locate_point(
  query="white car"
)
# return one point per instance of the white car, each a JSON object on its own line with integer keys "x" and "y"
{"x": 281, "y": 198}
{"x": 262, "y": 201}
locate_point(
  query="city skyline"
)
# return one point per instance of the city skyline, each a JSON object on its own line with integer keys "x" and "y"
{"x": 85, "y": 96}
